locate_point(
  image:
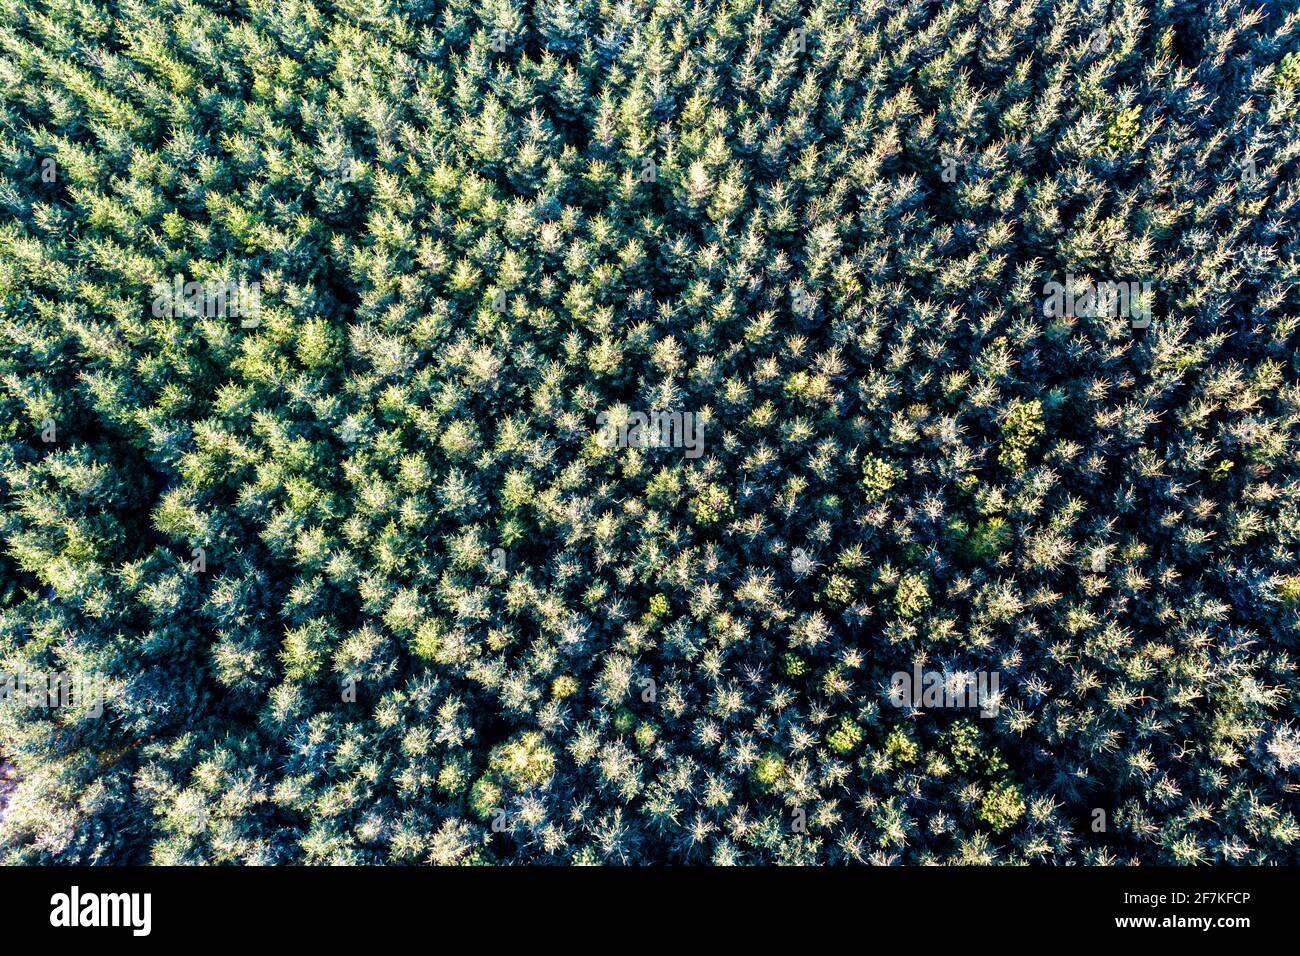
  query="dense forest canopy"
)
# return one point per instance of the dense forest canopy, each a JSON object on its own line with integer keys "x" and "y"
{"x": 689, "y": 431}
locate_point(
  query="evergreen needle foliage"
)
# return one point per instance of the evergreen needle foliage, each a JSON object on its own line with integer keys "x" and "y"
{"x": 482, "y": 432}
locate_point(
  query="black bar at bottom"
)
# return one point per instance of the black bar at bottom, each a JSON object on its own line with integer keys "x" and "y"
{"x": 339, "y": 906}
